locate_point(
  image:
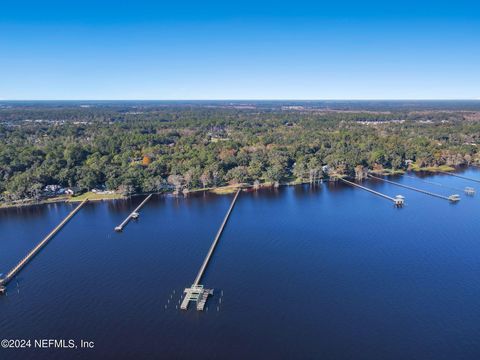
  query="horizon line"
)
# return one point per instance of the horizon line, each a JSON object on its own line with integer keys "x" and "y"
{"x": 260, "y": 99}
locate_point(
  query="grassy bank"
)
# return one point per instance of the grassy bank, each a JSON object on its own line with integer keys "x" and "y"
{"x": 95, "y": 197}
{"x": 226, "y": 189}
{"x": 388, "y": 172}
{"x": 415, "y": 167}
{"x": 63, "y": 198}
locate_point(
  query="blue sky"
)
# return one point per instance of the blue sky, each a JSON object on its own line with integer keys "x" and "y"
{"x": 246, "y": 50}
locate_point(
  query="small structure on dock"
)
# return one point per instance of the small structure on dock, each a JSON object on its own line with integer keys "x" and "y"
{"x": 399, "y": 200}
{"x": 454, "y": 198}
{"x": 198, "y": 294}
{"x": 135, "y": 215}
{"x": 470, "y": 191}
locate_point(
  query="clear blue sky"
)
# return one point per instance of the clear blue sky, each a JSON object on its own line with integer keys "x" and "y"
{"x": 94, "y": 49}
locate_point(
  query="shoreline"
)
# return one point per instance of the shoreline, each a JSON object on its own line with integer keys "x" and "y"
{"x": 222, "y": 190}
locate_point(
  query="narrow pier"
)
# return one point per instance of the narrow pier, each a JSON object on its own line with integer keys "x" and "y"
{"x": 15, "y": 270}
{"x": 451, "y": 198}
{"x": 468, "y": 190}
{"x": 459, "y": 176}
{"x": 197, "y": 292}
{"x": 133, "y": 215}
{"x": 398, "y": 200}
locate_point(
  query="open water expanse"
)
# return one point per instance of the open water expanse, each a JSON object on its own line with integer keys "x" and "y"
{"x": 324, "y": 272}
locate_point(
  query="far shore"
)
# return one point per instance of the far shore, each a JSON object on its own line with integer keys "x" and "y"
{"x": 222, "y": 190}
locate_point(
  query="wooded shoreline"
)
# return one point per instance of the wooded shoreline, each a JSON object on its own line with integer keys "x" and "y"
{"x": 222, "y": 190}
{"x": 125, "y": 149}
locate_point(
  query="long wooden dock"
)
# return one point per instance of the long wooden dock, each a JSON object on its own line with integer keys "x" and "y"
{"x": 16, "y": 269}
{"x": 451, "y": 198}
{"x": 468, "y": 190}
{"x": 197, "y": 292}
{"x": 133, "y": 215}
{"x": 397, "y": 200}
{"x": 459, "y": 176}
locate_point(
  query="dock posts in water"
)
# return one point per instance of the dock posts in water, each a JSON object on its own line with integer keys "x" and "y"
{"x": 197, "y": 292}
{"x": 16, "y": 269}
{"x": 133, "y": 215}
{"x": 451, "y": 198}
{"x": 398, "y": 200}
{"x": 470, "y": 191}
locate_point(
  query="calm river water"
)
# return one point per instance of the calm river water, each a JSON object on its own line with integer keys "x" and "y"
{"x": 330, "y": 272}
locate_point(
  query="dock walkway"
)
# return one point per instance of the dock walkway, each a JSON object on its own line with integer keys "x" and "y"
{"x": 197, "y": 292}
{"x": 468, "y": 190}
{"x": 16, "y": 269}
{"x": 397, "y": 200}
{"x": 459, "y": 176}
{"x": 451, "y": 198}
{"x": 133, "y": 215}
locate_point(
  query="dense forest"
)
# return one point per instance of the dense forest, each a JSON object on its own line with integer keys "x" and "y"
{"x": 148, "y": 148}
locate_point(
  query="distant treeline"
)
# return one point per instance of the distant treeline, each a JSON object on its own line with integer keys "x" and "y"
{"x": 155, "y": 148}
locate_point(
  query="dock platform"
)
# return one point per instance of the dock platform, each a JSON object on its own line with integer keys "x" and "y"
{"x": 198, "y": 294}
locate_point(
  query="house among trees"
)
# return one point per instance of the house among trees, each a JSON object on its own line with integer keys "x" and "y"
{"x": 101, "y": 190}
{"x": 53, "y": 190}
{"x": 72, "y": 190}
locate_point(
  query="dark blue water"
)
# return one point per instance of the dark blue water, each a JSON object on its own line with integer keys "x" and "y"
{"x": 330, "y": 272}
